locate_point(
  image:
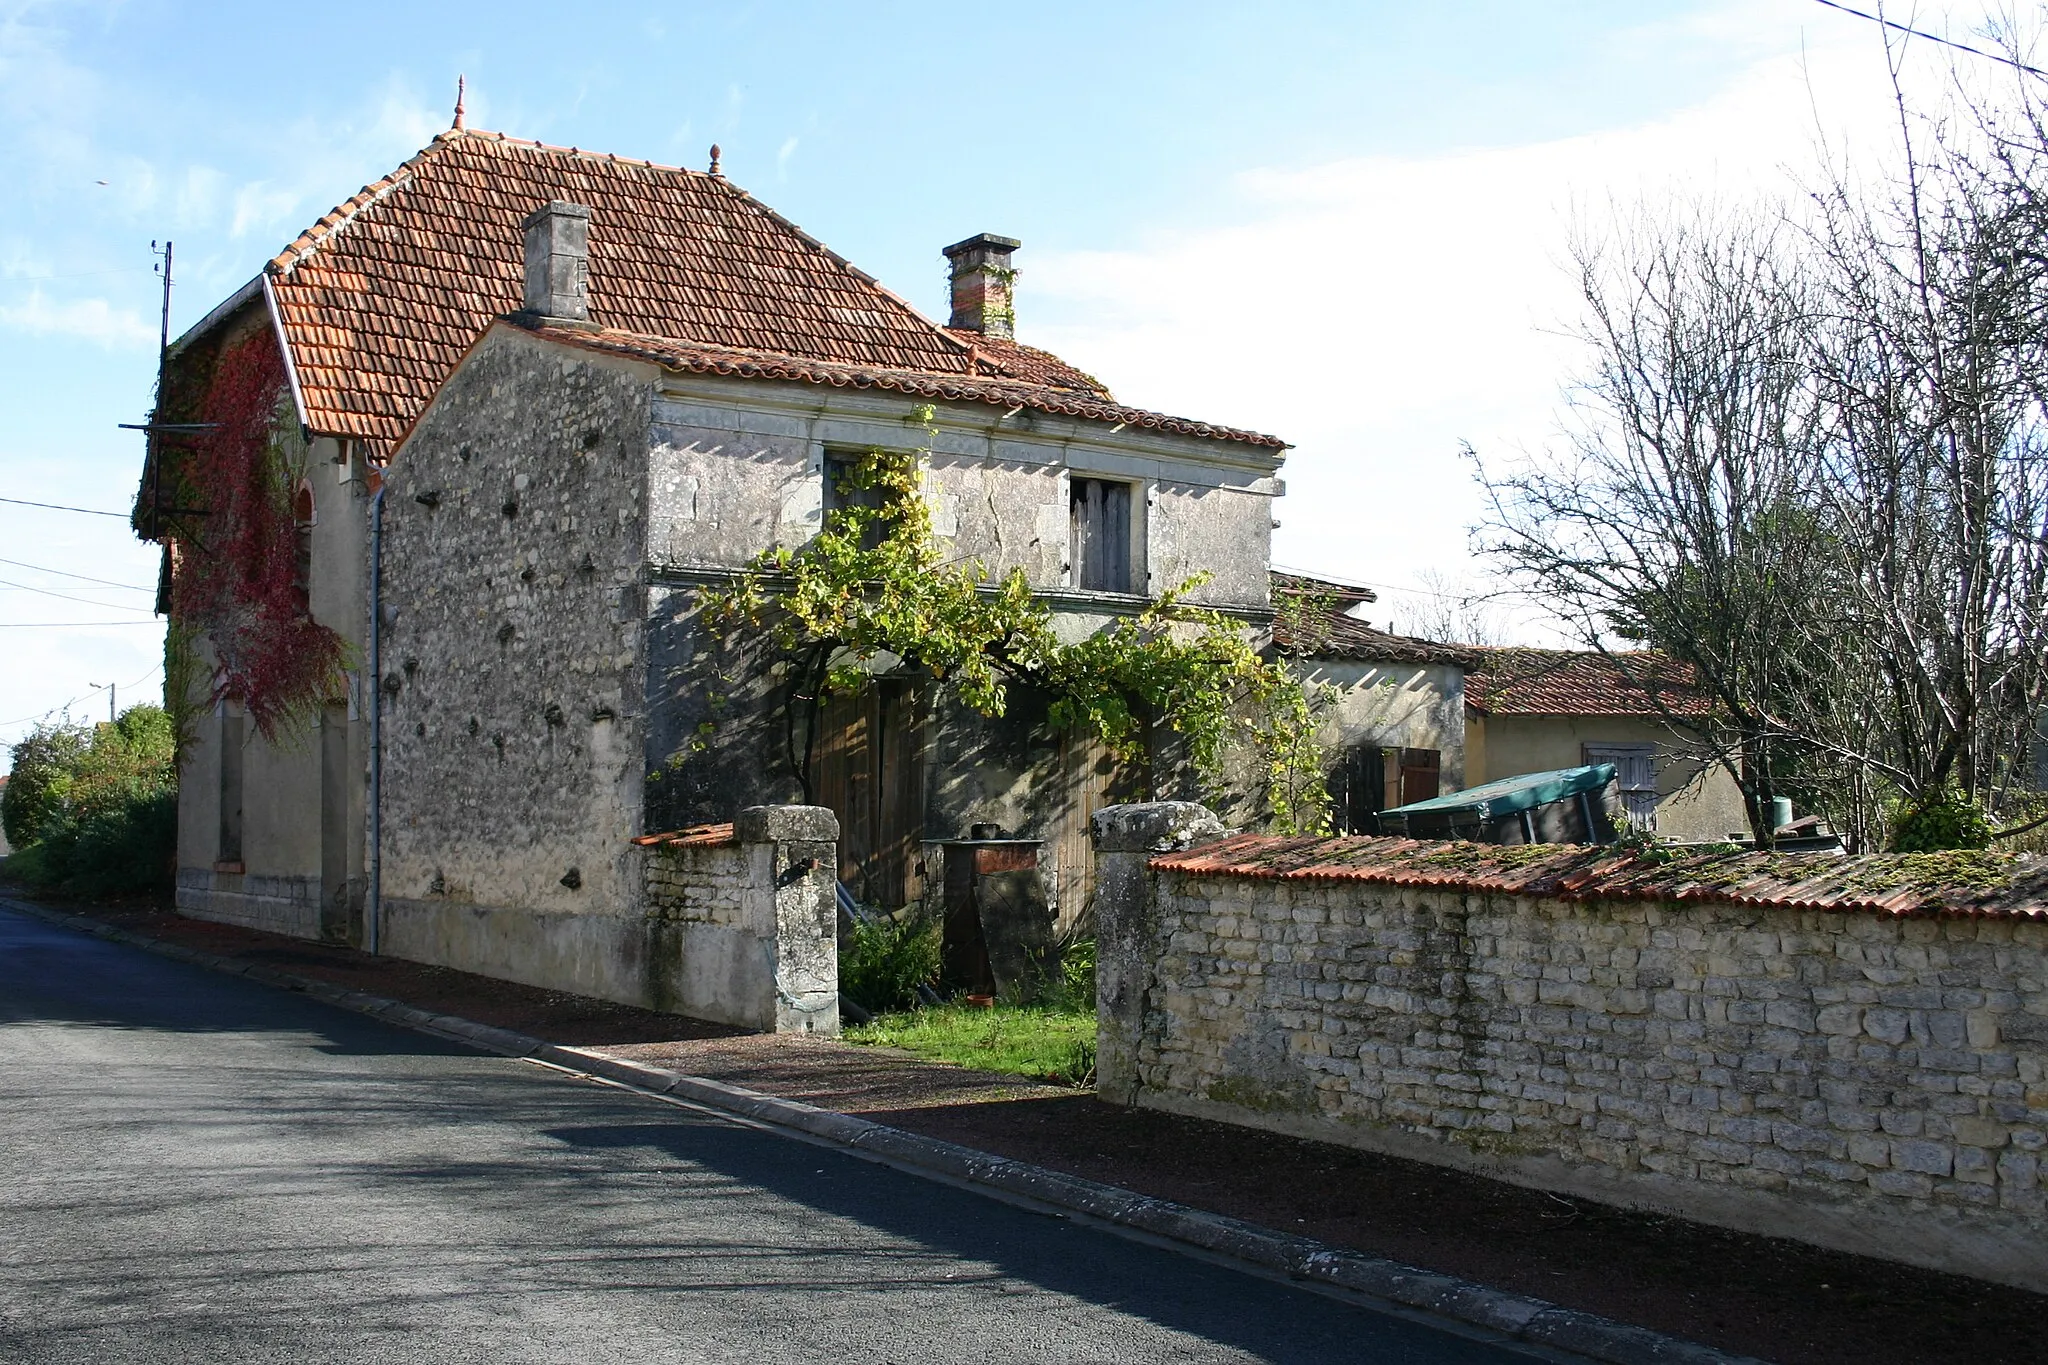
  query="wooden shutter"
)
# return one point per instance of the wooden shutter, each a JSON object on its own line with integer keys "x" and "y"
{"x": 1102, "y": 535}
{"x": 1421, "y": 775}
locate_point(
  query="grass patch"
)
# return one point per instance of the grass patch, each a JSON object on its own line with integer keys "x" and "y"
{"x": 1048, "y": 1044}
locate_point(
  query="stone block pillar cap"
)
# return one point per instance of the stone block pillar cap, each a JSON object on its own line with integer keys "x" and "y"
{"x": 1155, "y": 826}
{"x": 785, "y": 824}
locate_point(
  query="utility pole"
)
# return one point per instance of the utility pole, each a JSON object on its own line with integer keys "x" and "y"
{"x": 163, "y": 351}
{"x": 164, "y": 329}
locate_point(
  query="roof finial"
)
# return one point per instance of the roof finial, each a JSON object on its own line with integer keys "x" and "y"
{"x": 461, "y": 88}
{"x": 714, "y": 160}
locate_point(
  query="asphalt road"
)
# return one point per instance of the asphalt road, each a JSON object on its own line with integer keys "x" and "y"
{"x": 197, "y": 1168}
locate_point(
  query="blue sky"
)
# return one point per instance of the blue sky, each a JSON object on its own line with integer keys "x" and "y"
{"x": 1338, "y": 222}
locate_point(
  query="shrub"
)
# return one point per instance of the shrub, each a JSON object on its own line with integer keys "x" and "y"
{"x": 102, "y": 805}
{"x": 1946, "y": 819}
{"x": 884, "y": 961}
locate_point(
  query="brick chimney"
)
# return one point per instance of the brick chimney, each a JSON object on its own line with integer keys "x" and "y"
{"x": 983, "y": 285}
{"x": 558, "y": 262}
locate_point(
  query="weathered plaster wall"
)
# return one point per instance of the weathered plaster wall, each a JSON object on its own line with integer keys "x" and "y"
{"x": 302, "y": 793}
{"x": 1395, "y": 705}
{"x": 738, "y": 467}
{"x": 514, "y": 675}
{"x": 1694, "y": 802}
{"x": 1859, "y": 1081}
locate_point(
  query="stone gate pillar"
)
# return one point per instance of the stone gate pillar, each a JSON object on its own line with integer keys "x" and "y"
{"x": 1127, "y": 942}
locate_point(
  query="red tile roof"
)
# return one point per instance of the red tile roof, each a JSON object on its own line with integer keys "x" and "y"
{"x": 695, "y": 358}
{"x": 1032, "y": 365}
{"x": 382, "y": 296}
{"x": 1333, "y": 635}
{"x": 1913, "y": 884}
{"x": 696, "y": 836}
{"x": 1571, "y": 682}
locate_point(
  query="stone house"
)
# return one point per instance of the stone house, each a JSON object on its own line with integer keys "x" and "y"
{"x": 1532, "y": 710}
{"x": 540, "y": 400}
{"x": 1394, "y": 717}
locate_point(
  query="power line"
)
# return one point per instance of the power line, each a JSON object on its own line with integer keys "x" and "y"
{"x": 60, "y": 596}
{"x": 65, "y": 573}
{"x": 59, "y": 507}
{"x": 76, "y": 275}
{"x": 58, "y": 625}
{"x": 66, "y": 706}
{"x": 1936, "y": 38}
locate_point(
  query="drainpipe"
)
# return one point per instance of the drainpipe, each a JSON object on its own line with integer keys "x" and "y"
{"x": 375, "y": 870}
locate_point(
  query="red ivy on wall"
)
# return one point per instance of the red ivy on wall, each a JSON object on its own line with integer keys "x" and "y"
{"x": 238, "y": 581}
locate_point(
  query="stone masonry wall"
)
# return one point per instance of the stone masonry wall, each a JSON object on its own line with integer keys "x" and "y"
{"x": 1857, "y": 1080}
{"x": 513, "y": 679}
{"x": 693, "y": 884}
{"x": 743, "y": 920}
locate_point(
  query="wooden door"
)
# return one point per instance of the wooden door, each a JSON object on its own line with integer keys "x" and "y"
{"x": 868, "y": 768}
{"x": 1093, "y": 779}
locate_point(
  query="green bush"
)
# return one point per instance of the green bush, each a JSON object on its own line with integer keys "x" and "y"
{"x": 101, "y": 805}
{"x": 41, "y": 780}
{"x": 884, "y": 962}
{"x": 1943, "y": 820}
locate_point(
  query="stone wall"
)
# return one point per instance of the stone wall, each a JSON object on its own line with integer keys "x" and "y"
{"x": 744, "y": 919}
{"x": 1859, "y": 1080}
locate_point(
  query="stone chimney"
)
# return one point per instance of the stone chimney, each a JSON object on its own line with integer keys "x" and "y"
{"x": 983, "y": 285}
{"x": 558, "y": 262}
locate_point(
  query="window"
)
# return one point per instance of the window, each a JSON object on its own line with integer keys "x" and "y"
{"x": 840, "y": 494}
{"x": 302, "y": 544}
{"x": 1102, "y": 535}
{"x": 1635, "y": 769}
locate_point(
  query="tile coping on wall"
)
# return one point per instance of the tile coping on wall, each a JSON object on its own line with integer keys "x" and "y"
{"x": 696, "y": 836}
{"x": 1967, "y": 884}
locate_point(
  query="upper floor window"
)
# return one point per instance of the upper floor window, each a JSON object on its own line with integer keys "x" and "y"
{"x": 841, "y": 493}
{"x": 1102, "y": 535}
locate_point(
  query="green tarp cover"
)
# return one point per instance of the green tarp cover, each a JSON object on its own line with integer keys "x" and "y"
{"x": 1513, "y": 795}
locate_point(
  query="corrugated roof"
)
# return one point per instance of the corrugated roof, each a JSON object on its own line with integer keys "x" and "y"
{"x": 1910, "y": 884}
{"x": 748, "y": 363}
{"x": 1333, "y": 635}
{"x": 382, "y": 297}
{"x": 1573, "y": 682}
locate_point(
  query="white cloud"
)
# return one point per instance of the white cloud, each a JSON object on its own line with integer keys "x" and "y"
{"x": 1380, "y": 311}
{"x": 93, "y": 320}
{"x": 782, "y": 156}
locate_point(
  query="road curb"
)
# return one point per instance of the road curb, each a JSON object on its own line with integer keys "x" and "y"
{"x": 1513, "y": 1317}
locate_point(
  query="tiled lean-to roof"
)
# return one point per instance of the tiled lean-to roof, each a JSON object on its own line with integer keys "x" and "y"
{"x": 1570, "y": 682}
{"x": 1330, "y": 634}
{"x": 1908, "y": 884}
{"x": 381, "y": 298}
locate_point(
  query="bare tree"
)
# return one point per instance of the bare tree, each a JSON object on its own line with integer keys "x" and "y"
{"x": 1452, "y": 612}
{"x": 1809, "y": 459}
{"x": 1676, "y": 517}
{"x": 1931, "y": 356}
